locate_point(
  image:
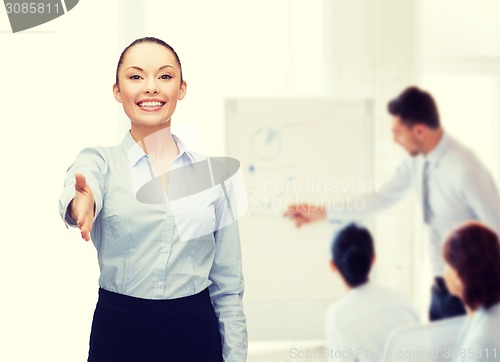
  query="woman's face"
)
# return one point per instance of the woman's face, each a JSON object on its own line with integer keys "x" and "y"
{"x": 453, "y": 281}
{"x": 149, "y": 85}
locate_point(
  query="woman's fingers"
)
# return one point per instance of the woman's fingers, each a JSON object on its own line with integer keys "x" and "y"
{"x": 85, "y": 225}
{"x": 81, "y": 182}
{"x": 83, "y": 206}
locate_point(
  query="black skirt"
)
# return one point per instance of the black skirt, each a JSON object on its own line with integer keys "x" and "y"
{"x": 130, "y": 329}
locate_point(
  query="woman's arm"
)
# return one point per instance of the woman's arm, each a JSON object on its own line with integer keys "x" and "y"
{"x": 226, "y": 276}
{"x": 81, "y": 199}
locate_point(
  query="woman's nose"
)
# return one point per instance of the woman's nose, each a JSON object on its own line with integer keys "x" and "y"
{"x": 151, "y": 87}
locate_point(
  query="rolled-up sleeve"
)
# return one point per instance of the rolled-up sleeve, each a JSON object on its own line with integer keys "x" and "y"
{"x": 92, "y": 164}
{"x": 226, "y": 290}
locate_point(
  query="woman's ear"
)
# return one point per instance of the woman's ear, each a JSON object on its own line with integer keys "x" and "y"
{"x": 117, "y": 93}
{"x": 182, "y": 90}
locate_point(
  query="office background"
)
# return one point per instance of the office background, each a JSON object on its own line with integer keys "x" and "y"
{"x": 56, "y": 99}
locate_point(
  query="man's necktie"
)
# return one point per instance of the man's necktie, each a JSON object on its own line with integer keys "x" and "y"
{"x": 425, "y": 192}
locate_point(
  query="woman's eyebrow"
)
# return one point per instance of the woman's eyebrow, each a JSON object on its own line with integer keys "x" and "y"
{"x": 142, "y": 70}
{"x": 135, "y": 67}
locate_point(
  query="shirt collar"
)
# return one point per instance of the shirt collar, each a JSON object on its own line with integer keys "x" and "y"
{"x": 183, "y": 149}
{"x": 437, "y": 153}
{"x": 361, "y": 287}
{"x": 135, "y": 152}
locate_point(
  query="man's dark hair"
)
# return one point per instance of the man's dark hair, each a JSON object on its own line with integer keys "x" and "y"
{"x": 415, "y": 106}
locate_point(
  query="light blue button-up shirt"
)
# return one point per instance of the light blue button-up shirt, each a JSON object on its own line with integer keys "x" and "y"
{"x": 163, "y": 250}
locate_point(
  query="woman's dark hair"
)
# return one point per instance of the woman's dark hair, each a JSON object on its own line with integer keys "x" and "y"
{"x": 473, "y": 250}
{"x": 415, "y": 106}
{"x": 148, "y": 39}
{"x": 352, "y": 253}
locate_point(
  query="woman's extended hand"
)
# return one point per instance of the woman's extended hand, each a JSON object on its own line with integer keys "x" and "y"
{"x": 83, "y": 206}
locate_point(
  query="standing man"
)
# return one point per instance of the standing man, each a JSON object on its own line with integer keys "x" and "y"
{"x": 451, "y": 182}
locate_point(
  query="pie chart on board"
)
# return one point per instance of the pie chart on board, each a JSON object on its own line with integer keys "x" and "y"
{"x": 266, "y": 143}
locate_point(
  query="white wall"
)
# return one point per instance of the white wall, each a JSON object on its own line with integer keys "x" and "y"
{"x": 55, "y": 96}
{"x": 460, "y": 28}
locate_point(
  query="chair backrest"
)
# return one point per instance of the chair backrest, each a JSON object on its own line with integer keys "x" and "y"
{"x": 426, "y": 342}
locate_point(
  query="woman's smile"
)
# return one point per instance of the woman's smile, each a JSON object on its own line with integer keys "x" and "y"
{"x": 150, "y": 104}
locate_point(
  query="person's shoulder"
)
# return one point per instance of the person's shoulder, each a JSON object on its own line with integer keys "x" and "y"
{"x": 483, "y": 331}
{"x": 391, "y": 295}
{"x": 338, "y": 307}
{"x": 460, "y": 155}
{"x": 460, "y": 163}
{"x": 352, "y": 301}
{"x": 491, "y": 320}
{"x": 99, "y": 152}
{"x": 101, "y": 149}
{"x": 100, "y": 155}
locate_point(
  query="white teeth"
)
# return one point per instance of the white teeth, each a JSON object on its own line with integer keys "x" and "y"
{"x": 150, "y": 104}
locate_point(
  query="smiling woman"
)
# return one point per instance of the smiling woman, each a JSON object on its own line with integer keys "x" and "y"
{"x": 161, "y": 297}
{"x": 151, "y": 84}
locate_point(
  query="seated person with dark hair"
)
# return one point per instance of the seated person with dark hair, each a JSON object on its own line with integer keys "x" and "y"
{"x": 358, "y": 324}
{"x": 472, "y": 273}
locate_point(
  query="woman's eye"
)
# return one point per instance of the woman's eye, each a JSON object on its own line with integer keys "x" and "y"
{"x": 165, "y": 76}
{"x": 135, "y": 76}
